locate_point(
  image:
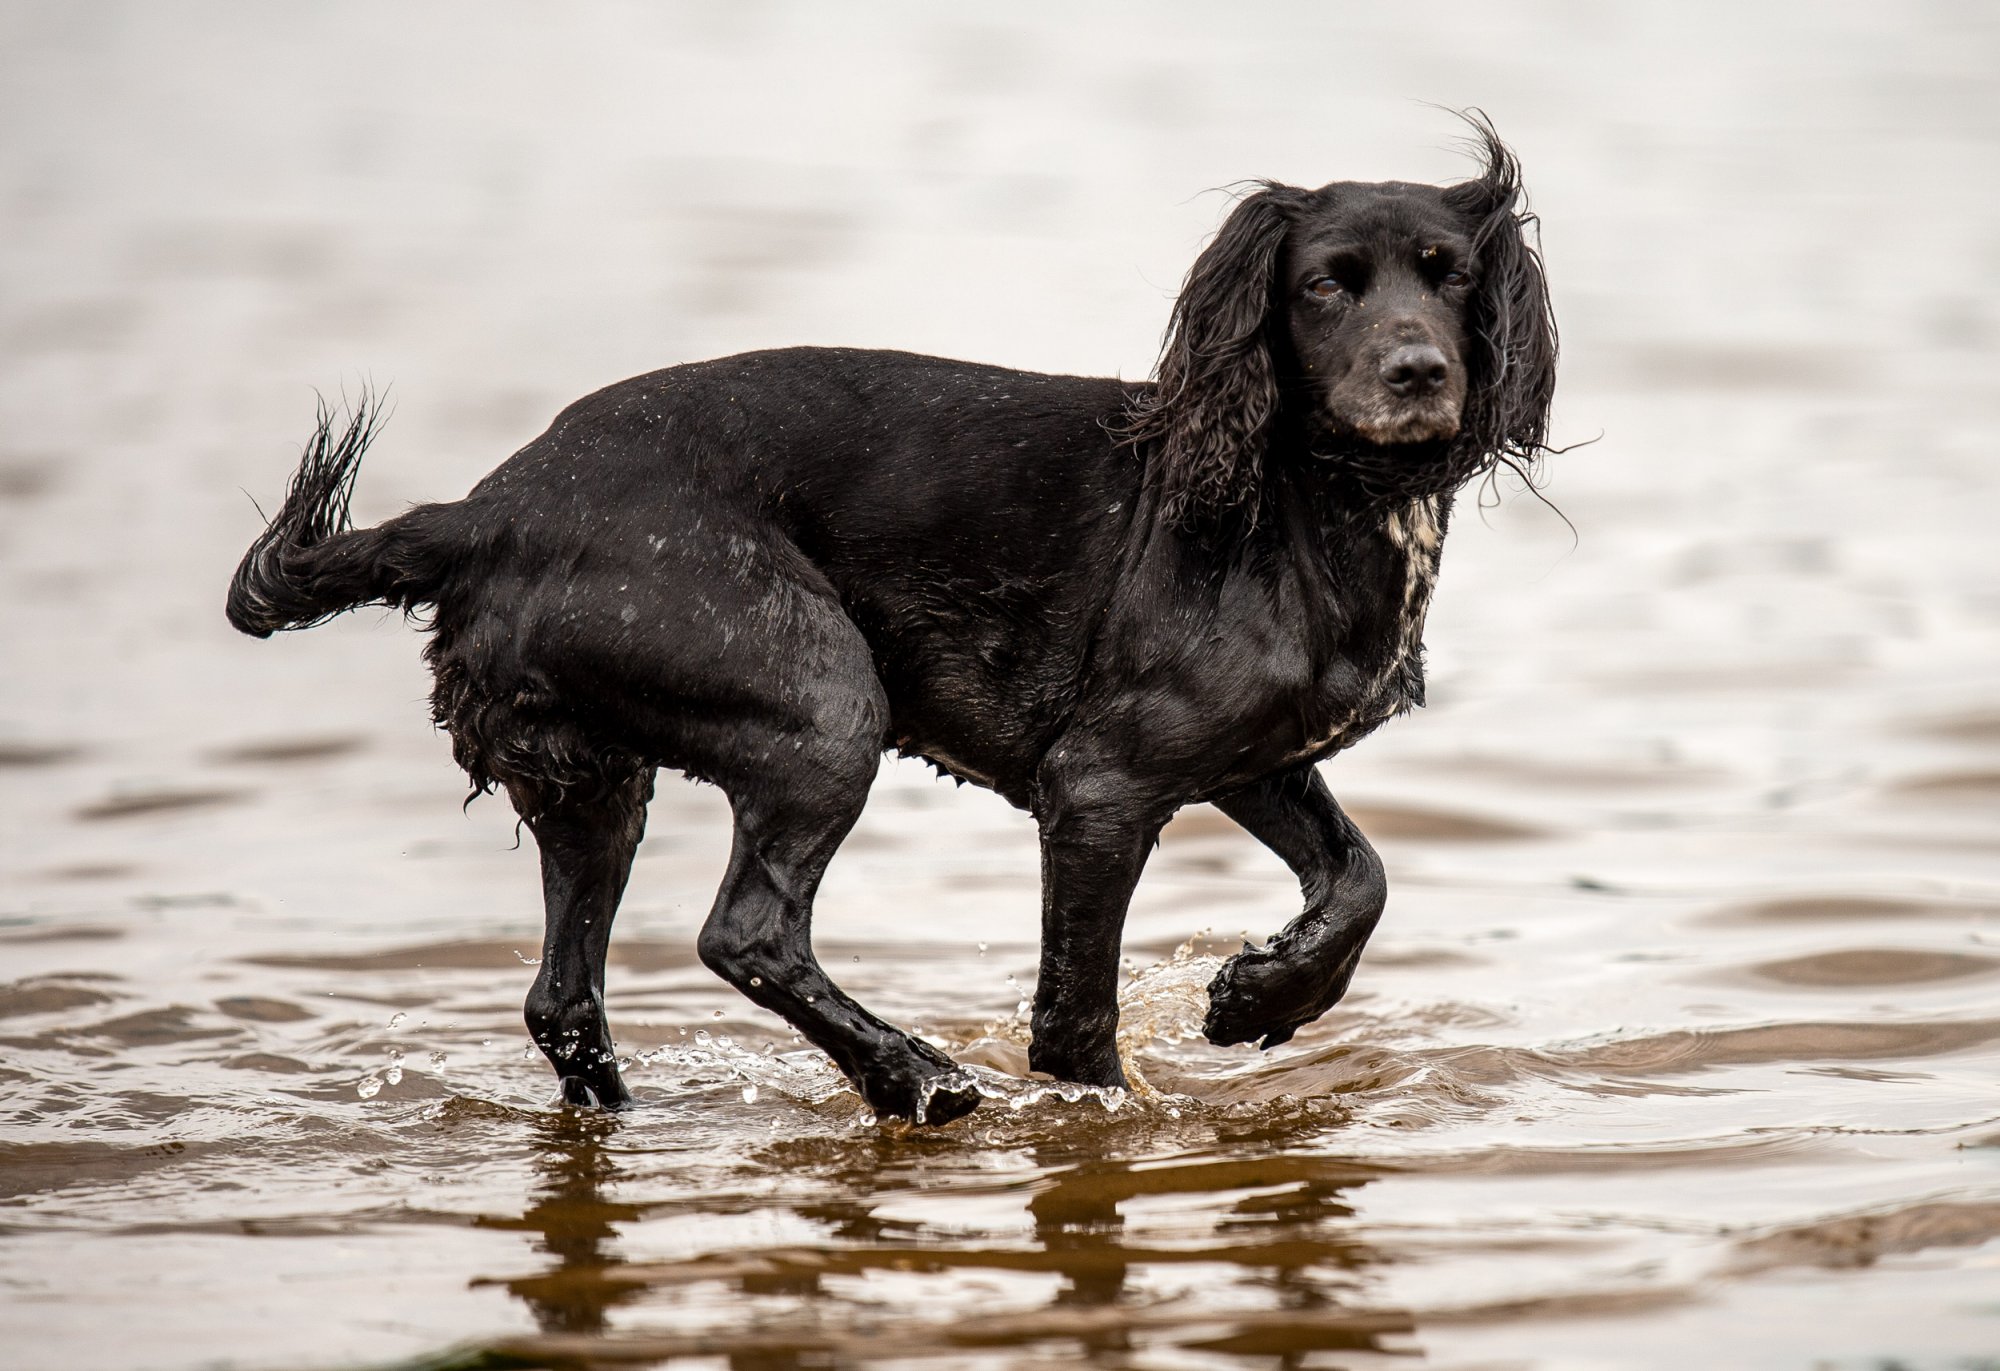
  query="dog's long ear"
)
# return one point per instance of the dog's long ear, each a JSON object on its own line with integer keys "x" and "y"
{"x": 1513, "y": 363}
{"x": 1208, "y": 421}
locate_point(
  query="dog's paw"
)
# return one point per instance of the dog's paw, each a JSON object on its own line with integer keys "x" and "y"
{"x": 605, "y": 1092}
{"x": 1261, "y": 993}
{"x": 928, "y": 1088}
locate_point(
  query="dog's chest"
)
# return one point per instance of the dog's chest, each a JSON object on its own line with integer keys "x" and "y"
{"x": 1382, "y": 657}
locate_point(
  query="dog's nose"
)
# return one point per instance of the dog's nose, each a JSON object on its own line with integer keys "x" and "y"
{"x": 1413, "y": 369}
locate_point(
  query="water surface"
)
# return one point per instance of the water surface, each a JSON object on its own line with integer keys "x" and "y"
{"x": 1679, "y": 1046}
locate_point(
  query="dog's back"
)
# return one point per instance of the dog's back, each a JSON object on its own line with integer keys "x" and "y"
{"x": 626, "y": 561}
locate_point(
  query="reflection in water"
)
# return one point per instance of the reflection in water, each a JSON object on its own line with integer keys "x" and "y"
{"x": 1077, "y": 1223}
{"x": 1116, "y": 1287}
{"x": 576, "y": 1223}
{"x": 1286, "y": 1232}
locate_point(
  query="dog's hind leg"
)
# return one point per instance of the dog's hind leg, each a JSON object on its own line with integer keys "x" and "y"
{"x": 770, "y": 691}
{"x": 1270, "y": 992}
{"x": 797, "y": 782}
{"x": 723, "y": 654}
{"x": 586, "y": 846}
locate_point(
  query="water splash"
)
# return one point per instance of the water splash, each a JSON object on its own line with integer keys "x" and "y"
{"x": 705, "y": 1061}
{"x": 1164, "y": 1003}
{"x": 1167, "y": 1002}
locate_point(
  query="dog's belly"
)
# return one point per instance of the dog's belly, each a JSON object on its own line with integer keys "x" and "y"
{"x": 970, "y": 727}
{"x": 978, "y": 674}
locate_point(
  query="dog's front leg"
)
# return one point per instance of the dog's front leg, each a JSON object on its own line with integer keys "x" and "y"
{"x": 1096, "y": 834}
{"x": 1270, "y": 992}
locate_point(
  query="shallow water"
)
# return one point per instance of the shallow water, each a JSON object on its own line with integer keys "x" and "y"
{"x": 1679, "y": 1046}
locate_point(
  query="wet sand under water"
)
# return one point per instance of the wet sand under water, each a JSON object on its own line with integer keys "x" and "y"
{"x": 1679, "y": 1045}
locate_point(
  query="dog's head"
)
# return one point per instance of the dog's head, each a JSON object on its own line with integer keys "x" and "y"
{"x": 1374, "y": 281}
{"x": 1401, "y": 331}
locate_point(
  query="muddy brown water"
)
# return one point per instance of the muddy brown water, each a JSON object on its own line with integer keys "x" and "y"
{"x": 1679, "y": 1046}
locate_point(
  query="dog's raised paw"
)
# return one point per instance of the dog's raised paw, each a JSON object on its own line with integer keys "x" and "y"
{"x": 1260, "y": 994}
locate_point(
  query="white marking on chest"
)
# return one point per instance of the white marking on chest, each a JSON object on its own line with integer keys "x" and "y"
{"x": 1414, "y": 532}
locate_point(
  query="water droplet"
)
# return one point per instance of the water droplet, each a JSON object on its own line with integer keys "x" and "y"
{"x": 368, "y": 1087}
{"x": 756, "y": 981}
{"x": 684, "y": 1031}
{"x": 528, "y": 1053}
{"x": 527, "y": 960}
{"x": 436, "y": 1060}
{"x": 486, "y": 1042}
{"x": 865, "y": 1119}
{"x": 857, "y": 958}
{"x": 396, "y": 1019}
{"x": 750, "y": 1094}
{"x": 812, "y": 999}
{"x": 718, "y": 1013}
{"x": 982, "y": 949}
{"x": 701, "y": 1038}
{"x": 1021, "y": 1008}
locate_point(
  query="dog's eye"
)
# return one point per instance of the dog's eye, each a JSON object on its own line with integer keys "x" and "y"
{"x": 1456, "y": 278}
{"x": 1325, "y": 287}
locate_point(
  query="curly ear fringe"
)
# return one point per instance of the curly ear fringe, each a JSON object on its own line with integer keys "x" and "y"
{"x": 1506, "y": 418}
{"x": 1208, "y": 419}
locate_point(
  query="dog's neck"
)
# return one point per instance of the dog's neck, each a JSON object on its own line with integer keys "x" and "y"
{"x": 1370, "y": 531}
{"x": 1345, "y": 478}
{"x": 1389, "y": 475}
{"x": 1369, "y": 569}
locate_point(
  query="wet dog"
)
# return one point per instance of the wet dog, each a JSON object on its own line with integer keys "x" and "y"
{"x": 1103, "y": 600}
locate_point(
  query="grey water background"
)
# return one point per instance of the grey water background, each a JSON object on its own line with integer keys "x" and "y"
{"x": 1679, "y": 1045}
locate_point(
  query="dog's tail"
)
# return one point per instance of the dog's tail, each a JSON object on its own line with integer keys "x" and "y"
{"x": 310, "y": 564}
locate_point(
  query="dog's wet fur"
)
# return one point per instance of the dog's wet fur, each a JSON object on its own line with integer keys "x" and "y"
{"x": 1103, "y": 600}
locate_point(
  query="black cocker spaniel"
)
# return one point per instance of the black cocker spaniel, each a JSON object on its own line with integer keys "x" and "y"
{"x": 1104, "y": 600}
